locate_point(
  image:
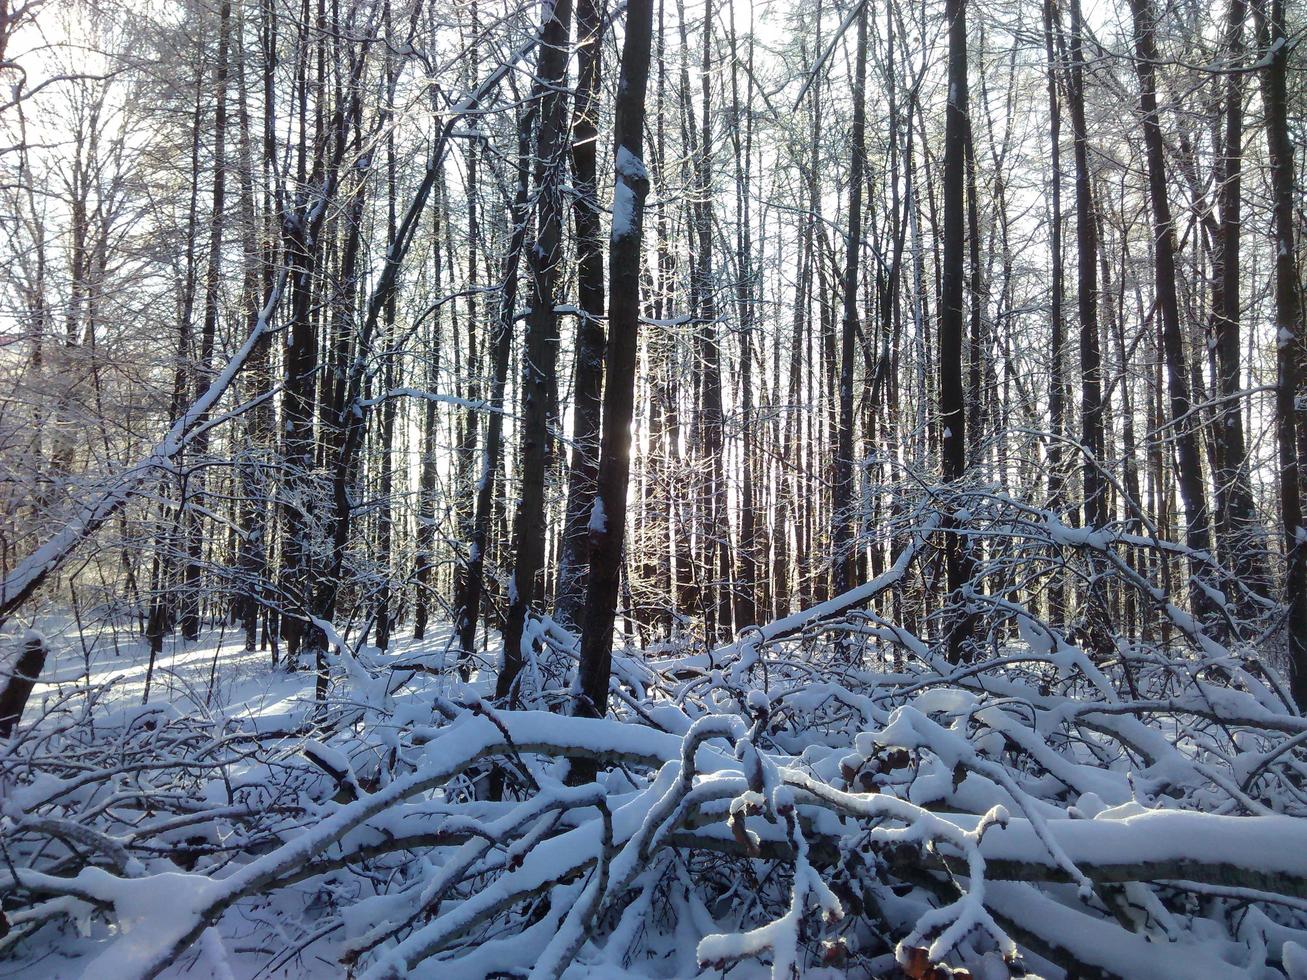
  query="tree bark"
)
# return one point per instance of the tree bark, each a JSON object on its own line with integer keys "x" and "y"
{"x": 385, "y": 517}
{"x": 17, "y": 686}
{"x": 467, "y": 602}
{"x": 1233, "y": 488}
{"x": 1057, "y": 386}
{"x": 1091, "y": 371}
{"x": 842, "y": 510}
{"x": 539, "y": 369}
{"x": 1189, "y": 473}
{"x": 951, "y": 399}
{"x": 608, "y": 523}
{"x": 1273, "y": 39}
{"x": 746, "y": 592}
{"x": 190, "y": 620}
{"x": 574, "y": 561}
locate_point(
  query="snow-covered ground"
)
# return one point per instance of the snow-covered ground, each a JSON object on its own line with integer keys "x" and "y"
{"x": 215, "y": 673}
{"x": 215, "y": 678}
{"x": 800, "y": 797}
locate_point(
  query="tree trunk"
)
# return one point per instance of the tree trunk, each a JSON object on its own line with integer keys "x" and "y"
{"x": 18, "y": 683}
{"x": 190, "y": 620}
{"x": 1189, "y": 473}
{"x": 1057, "y": 386}
{"x": 385, "y": 518}
{"x": 1091, "y": 377}
{"x": 574, "y": 561}
{"x": 842, "y": 508}
{"x": 1234, "y": 491}
{"x": 423, "y": 558}
{"x": 1288, "y": 313}
{"x": 467, "y": 602}
{"x": 608, "y": 521}
{"x": 746, "y": 597}
{"x": 951, "y": 399}
{"x": 538, "y": 371}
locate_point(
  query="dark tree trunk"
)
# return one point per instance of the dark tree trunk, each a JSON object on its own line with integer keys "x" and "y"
{"x": 746, "y": 597}
{"x": 468, "y": 426}
{"x": 424, "y": 558}
{"x": 16, "y": 686}
{"x": 539, "y": 368}
{"x": 169, "y": 537}
{"x": 1234, "y": 492}
{"x": 715, "y": 549}
{"x": 667, "y": 543}
{"x": 976, "y": 355}
{"x": 1189, "y": 473}
{"x": 1091, "y": 371}
{"x": 843, "y": 506}
{"x": 608, "y": 527}
{"x": 190, "y": 619}
{"x": 252, "y": 552}
{"x": 1271, "y": 30}
{"x": 1057, "y": 386}
{"x": 298, "y": 409}
{"x": 951, "y": 398}
{"x": 574, "y": 561}
{"x": 386, "y": 482}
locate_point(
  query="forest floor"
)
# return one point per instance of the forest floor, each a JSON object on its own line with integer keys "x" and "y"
{"x": 838, "y": 799}
{"x": 215, "y": 672}
{"x": 213, "y": 676}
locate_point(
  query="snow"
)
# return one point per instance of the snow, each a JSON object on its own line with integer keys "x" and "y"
{"x": 629, "y": 165}
{"x": 598, "y": 521}
{"x": 1092, "y": 941}
{"x": 1035, "y": 636}
{"x": 335, "y": 761}
{"x": 1294, "y": 958}
{"x": 1031, "y": 788}
{"x": 624, "y": 205}
{"x": 630, "y": 170}
{"x": 1075, "y": 537}
{"x": 1275, "y": 845}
